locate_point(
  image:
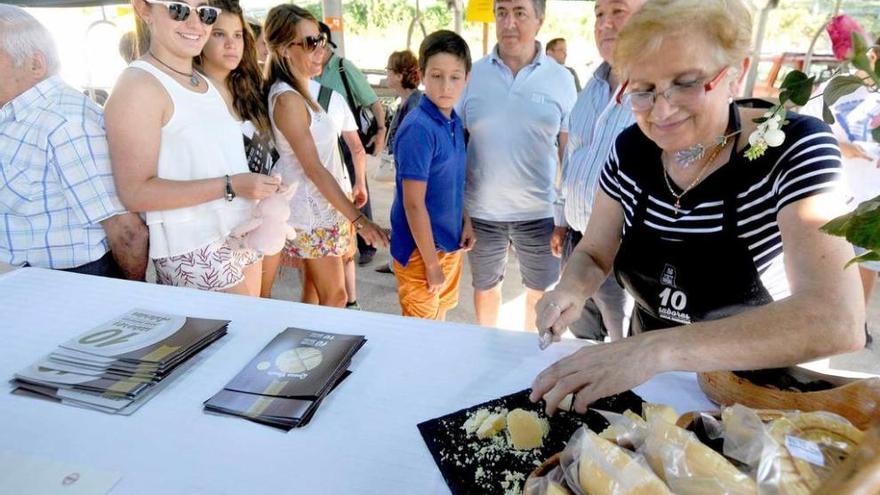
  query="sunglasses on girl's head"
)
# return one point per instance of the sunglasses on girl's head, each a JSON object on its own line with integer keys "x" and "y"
{"x": 309, "y": 43}
{"x": 180, "y": 11}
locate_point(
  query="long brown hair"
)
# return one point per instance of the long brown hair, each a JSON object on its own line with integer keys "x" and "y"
{"x": 280, "y": 30}
{"x": 245, "y": 81}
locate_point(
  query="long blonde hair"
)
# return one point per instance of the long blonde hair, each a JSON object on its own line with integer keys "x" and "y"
{"x": 281, "y": 29}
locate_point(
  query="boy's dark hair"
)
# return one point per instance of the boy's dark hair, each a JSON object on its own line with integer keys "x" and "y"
{"x": 444, "y": 41}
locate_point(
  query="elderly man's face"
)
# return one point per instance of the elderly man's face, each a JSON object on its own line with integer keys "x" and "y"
{"x": 516, "y": 25}
{"x": 611, "y": 15}
{"x": 15, "y": 80}
{"x": 559, "y": 52}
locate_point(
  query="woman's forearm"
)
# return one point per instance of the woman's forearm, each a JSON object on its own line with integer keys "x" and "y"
{"x": 794, "y": 330}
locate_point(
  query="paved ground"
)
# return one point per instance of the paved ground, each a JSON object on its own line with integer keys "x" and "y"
{"x": 378, "y": 292}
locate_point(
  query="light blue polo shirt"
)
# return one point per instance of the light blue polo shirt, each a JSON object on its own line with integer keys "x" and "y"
{"x": 514, "y": 124}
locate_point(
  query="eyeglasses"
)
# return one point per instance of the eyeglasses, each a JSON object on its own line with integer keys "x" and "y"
{"x": 180, "y": 11}
{"x": 677, "y": 95}
{"x": 310, "y": 43}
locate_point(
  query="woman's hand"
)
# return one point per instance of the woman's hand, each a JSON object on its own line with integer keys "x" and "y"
{"x": 556, "y": 310}
{"x": 254, "y": 186}
{"x": 596, "y": 371}
{"x": 435, "y": 278}
{"x": 468, "y": 238}
{"x": 372, "y": 233}
{"x": 359, "y": 194}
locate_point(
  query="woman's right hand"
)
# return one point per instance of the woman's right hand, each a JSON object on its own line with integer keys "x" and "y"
{"x": 373, "y": 234}
{"x": 254, "y": 186}
{"x": 556, "y": 310}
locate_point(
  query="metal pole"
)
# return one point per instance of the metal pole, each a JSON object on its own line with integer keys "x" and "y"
{"x": 456, "y": 14}
{"x": 756, "y": 52}
{"x": 333, "y": 18}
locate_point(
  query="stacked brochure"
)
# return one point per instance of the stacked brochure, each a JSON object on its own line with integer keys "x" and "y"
{"x": 284, "y": 385}
{"x": 119, "y": 365}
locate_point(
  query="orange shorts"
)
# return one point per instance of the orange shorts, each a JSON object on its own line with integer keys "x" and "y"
{"x": 412, "y": 286}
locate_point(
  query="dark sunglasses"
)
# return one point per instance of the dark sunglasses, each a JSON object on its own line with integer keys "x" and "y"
{"x": 310, "y": 43}
{"x": 180, "y": 11}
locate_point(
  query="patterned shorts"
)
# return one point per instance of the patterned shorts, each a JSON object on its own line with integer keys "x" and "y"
{"x": 323, "y": 241}
{"x": 215, "y": 267}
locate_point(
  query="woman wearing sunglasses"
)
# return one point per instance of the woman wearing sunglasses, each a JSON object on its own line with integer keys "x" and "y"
{"x": 230, "y": 61}
{"x": 178, "y": 156}
{"x": 722, "y": 254}
{"x": 322, "y": 211}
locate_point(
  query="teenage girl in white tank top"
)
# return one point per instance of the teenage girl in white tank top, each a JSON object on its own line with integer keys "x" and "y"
{"x": 306, "y": 138}
{"x": 178, "y": 155}
{"x": 229, "y": 60}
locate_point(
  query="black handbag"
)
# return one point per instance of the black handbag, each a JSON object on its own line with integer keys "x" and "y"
{"x": 368, "y": 127}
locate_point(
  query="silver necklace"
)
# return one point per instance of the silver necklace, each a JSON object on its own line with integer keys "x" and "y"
{"x": 688, "y": 156}
{"x": 193, "y": 79}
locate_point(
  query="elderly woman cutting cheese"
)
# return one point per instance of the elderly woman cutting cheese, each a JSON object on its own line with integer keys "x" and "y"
{"x": 723, "y": 254}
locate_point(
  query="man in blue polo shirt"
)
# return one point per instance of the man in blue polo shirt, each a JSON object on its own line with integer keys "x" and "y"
{"x": 514, "y": 108}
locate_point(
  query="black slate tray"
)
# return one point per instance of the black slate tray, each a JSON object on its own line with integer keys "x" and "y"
{"x": 452, "y": 452}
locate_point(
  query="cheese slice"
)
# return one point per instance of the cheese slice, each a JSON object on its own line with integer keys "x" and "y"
{"x": 526, "y": 429}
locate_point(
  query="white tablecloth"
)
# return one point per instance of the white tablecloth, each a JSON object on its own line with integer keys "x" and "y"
{"x": 363, "y": 439}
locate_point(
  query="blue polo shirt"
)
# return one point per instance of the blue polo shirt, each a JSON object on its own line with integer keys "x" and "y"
{"x": 430, "y": 148}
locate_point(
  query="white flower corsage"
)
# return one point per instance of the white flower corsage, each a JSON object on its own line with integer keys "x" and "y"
{"x": 768, "y": 134}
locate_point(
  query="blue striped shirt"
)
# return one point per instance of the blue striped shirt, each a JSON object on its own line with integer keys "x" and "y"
{"x": 806, "y": 164}
{"x": 55, "y": 180}
{"x": 595, "y": 122}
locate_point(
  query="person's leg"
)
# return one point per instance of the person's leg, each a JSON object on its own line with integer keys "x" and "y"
{"x": 615, "y": 305}
{"x": 869, "y": 280}
{"x": 328, "y": 277}
{"x": 488, "y": 260}
{"x": 538, "y": 267}
{"x": 309, "y": 293}
{"x": 270, "y": 271}
{"x": 365, "y": 250}
{"x": 253, "y": 277}
{"x": 452, "y": 264}
{"x": 412, "y": 289}
{"x": 590, "y": 324}
{"x": 350, "y": 282}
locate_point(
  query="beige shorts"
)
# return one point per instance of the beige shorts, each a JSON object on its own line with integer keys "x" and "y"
{"x": 215, "y": 267}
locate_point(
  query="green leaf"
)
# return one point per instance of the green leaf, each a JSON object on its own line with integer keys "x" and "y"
{"x": 827, "y": 116}
{"x": 860, "y": 227}
{"x": 797, "y": 87}
{"x": 871, "y": 255}
{"x": 840, "y": 86}
{"x": 876, "y": 134}
{"x": 859, "y": 44}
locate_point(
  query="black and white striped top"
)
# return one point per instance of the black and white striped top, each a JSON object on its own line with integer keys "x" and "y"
{"x": 807, "y": 163}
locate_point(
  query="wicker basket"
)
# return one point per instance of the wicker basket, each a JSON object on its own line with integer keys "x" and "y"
{"x": 857, "y": 400}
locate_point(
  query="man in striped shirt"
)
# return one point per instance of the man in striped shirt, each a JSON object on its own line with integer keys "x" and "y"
{"x": 58, "y": 205}
{"x": 595, "y": 122}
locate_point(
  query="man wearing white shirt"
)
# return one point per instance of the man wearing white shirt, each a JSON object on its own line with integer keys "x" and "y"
{"x": 514, "y": 109}
{"x": 594, "y": 124}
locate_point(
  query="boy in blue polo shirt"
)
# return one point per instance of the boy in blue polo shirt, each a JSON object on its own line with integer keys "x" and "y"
{"x": 429, "y": 226}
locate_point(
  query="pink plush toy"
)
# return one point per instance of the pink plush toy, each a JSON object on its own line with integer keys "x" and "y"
{"x": 268, "y": 229}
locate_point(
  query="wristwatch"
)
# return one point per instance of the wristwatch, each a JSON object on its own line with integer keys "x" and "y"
{"x": 230, "y": 194}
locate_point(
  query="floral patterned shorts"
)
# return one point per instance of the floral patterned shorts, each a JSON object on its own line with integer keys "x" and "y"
{"x": 215, "y": 267}
{"x": 323, "y": 241}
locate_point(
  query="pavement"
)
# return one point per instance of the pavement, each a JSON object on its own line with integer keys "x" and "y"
{"x": 377, "y": 292}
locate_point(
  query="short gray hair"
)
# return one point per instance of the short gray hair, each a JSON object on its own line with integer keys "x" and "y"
{"x": 539, "y": 5}
{"x": 22, "y": 36}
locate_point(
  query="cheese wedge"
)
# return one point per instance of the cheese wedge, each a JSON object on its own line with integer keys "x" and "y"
{"x": 494, "y": 423}
{"x": 606, "y": 469}
{"x": 526, "y": 429}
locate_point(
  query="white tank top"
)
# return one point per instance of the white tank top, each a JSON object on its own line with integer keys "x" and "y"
{"x": 309, "y": 208}
{"x": 200, "y": 141}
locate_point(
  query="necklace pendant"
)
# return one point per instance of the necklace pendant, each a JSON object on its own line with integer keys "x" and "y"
{"x": 194, "y": 80}
{"x": 677, "y": 206}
